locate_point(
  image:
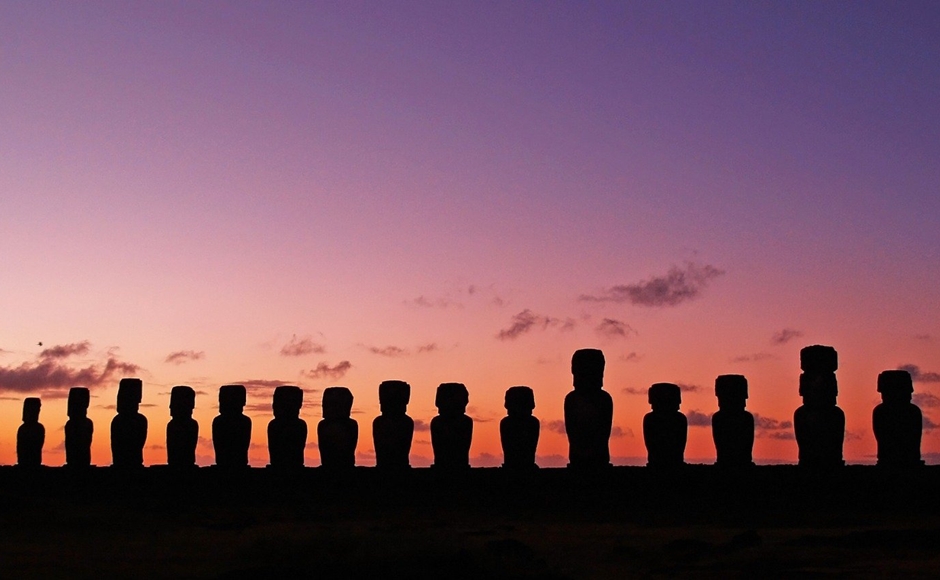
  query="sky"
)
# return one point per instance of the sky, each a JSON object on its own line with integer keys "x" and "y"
{"x": 326, "y": 194}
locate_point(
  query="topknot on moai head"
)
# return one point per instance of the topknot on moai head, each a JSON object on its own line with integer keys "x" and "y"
{"x": 182, "y": 399}
{"x": 31, "y": 406}
{"x": 731, "y": 388}
{"x": 288, "y": 399}
{"x": 232, "y": 398}
{"x": 587, "y": 369}
{"x": 79, "y": 398}
{"x": 665, "y": 396}
{"x": 337, "y": 403}
{"x": 519, "y": 400}
{"x": 819, "y": 359}
{"x": 130, "y": 393}
{"x": 394, "y": 396}
{"x": 895, "y": 385}
{"x": 452, "y": 398}
{"x": 818, "y": 387}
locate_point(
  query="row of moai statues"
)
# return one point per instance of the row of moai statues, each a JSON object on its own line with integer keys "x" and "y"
{"x": 819, "y": 424}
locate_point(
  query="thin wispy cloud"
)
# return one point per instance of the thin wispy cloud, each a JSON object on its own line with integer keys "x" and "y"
{"x": 683, "y": 387}
{"x": 784, "y": 336}
{"x": 390, "y": 351}
{"x": 923, "y": 337}
{"x": 928, "y": 423}
{"x": 302, "y": 347}
{"x": 421, "y": 425}
{"x": 325, "y": 371}
{"x": 612, "y": 328}
{"x": 630, "y": 357}
{"x": 678, "y": 285}
{"x": 926, "y": 400}
{"x": 756, "y": 357}
{"x": 619, "y": 432}
{"x": 771, "y": 428}
{"x": 698, "y": 419}
{"x": 430, "y": 347}
{"x": 184, "y": 356}
{"x": 920, "y": 376}
{"x": 65, "y": 350}
{"x": 51, "y": 373}
{"x": 527, "y": 321}
{"x": 556, "y": 426}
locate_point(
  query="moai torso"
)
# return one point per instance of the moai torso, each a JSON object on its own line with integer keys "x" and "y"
{"x": 451, "y": 429}
{"x": 30, "y": 436}
{"x": 231, "y": 429}
{"x": 79, "y": 429}
{"x": 665, "y": 429}
{"x": 287, "y": 432}
{"x": 128, "y": 428}
{"x": 337, "y": 433}
{"x": 589, "y": 412}
{"x": 732, "y": 426}
{"x": 393, "y": 430}
{"x": 897, "y": 422}
{"x": 182, "y": 431}
{"x": 819, "y": 425}
{"x": 519, "y": 430}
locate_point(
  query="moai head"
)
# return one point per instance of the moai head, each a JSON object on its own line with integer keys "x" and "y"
{"x": 519, "y": 401}
{"x": 130, "y": 392}
{"x": 394, "y": 397}
{"x": 587, "y": 369}
{"x": 288, "y": 400}
{"x": 451, "y": 399}
{"x": 232, "y": 399}
{"x": 895, "y": 386}
{"x": 731, "y": 391}
{"x": 78, "y": 402}
{"x": 337, "y": 403}
{"x": 182, "y": 402}
{"x": 819, "y": 389}
{"x": 665, "y": 397}
{"x": 819, "y": 359}
{"x": 31, "y": 406}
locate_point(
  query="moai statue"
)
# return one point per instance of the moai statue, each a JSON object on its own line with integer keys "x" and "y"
{"x": 231, "y": 429}
{"x": 732, "y": 426}
{"x": 519, "y": 430}
{"x": 665, "y": 429}
{"x": 393, "y": 430}
{"x": 182, "y": 432}
{"x": 452, "y": 428}
{"x": 897, "y": 422}
{"x": 338, "y": 432}
{"x": 129, "y": 427}
{"x": 819, "y": 425}
{"x": 287, "y": 432}
{"x": 31, "y": 435}
{"x": 78, "y": 429}
{"x": 589, "y": 412}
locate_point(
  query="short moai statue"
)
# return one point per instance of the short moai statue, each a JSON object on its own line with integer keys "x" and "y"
{"x": 732, "y": 425}
{"x": 79, "y": 429}
{"x": 338, "y": 432}
{"x": 231, "y": 429}
{"x": 819, "y": 425}
{"x": 897, "y": 422}
{"x": 519, "y": 429}
{"x": 452, "y": 428}
{"x": 182, "y": 432}
{"x": 129, "y": 427}
{"x": 665, "y": 428}
{"x": 31, "y": 435}
{"x": 393, "y": 430}
{"x": 589, "y": 412}
{"x": 287, "y": 432}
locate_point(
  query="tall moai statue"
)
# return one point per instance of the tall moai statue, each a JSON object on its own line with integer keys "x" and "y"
{"x": 452, "y": 428}
{"x": 897, "y": 422}
{"x": 129, "y": 427}
{"x": 287, "y": 432}
{"x": 231, "y": 429}
{"x": 519, "y": 429}
{"x": 819, "y": 425}
{"x": 665, "y": 428}
{"x": 393, "y": 430}
{"x": 182, "y": 432}
{"x": 79, "y": 429}
{"x": 732, "y": 425}
{"x": 31, "y": 435}
{"x": 589, "y": 412}
{"x": 338, "y": 432}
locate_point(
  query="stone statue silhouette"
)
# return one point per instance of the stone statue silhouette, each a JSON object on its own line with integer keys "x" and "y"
{"x": 338, "y": 432}
{"x": 519, "y": 430}
{"x": 287, "y": 432}
{"x": 393, "y": 430}
{"x": 31, "y": 435}
{"x": 231, "y": 429}
{"x": 78, "y": 429}
{"x": 129, "y": 427}
{"x": 182, "y": 432}
{"x": 897, "y": 422}
{"x": 589, "y": 412}
{"x": 819, "y": 425}
{"x": 665, "y": 429}
{"x": 451, "y": 429}
{"x": 732, "y": 425}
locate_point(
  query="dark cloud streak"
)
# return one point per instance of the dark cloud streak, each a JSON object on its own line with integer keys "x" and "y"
{"x": 678, "y": 285}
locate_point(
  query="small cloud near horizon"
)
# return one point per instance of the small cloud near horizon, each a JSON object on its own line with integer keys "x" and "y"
{"x": 919, "y": 376}
{"x": 698, "y": 419}
{"x": 928, "y": 400}
{"x": 678, "y": 285}
{"x": 612, "y": 328}
{"x": 630, "y": 357}
{"x": 302, "y": 347}
{"x": 389, "y": 351}
{"x": 526, "y": 321}
{"x": 784, "y": 336}
{"x": 756, "y": 357}
{"x": 184, "y": 356}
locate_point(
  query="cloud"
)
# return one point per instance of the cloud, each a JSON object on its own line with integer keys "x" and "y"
{"x": 764, "y": 424}
{"x": 486, "y": 460}
{"x": 421, "y": 425}
{"x": 65, "y": 350}
{"x": 784, "y": 336}
{"x": 927, "y": 400}
{"x": 630, "y": 357}
{"x": 430, "y": 347}
{"x": 50, "y": 374}
{"x": 183, "y": 356}
{"x": 619, "y": 432}
{"x": 554, "y": 460}
{"x": 325, "y": 371}
{"x": 527, "y": 321}
{"x": 923, "y": 337}
{"x": 689, "y": 388}
{"x": 756, "y": 357}
{"x": 929, "y": 425}
{"x": 261, "y": 384}
{"x": 920, "y": 376}
{"x": 301, "y": 347}
{"x": 684, "y": 388}
{"x": 389, "y": 351}
{"x": 698, "y": 419}
{"x": 781, "y": 435}
{"x": 556, "y": 426}
{"x": 425, "y": 302}
{"x": 678, "y": 285}
{"x": 612, "y": 328}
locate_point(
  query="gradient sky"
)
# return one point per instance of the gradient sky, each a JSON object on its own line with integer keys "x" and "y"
{"x": 341, "y": 193}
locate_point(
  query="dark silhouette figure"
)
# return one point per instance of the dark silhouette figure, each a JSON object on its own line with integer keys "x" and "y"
{"x": 31, "y": 435}
{"x": 182, "y": 432}
{"x": 897, "y": 422}
{"x": 287, "y": 432}
{"x": 337, "y": 433}
{"x": 819, "y": 425}
{"x": 231, "y": 430}
{"x": 665, "y": 429}
{"x": 519, "y": 430}
{"x": 129, "y": 427}
{"x": 451, "y": 429}
{"x": 732, "y": 426}
{"x": 393, "y": 430}
{"x": 589, "y": 412}
{"x": 78, "y": 429}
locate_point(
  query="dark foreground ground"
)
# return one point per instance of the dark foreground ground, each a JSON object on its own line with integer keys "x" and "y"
{"x": 772, "y": 521}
